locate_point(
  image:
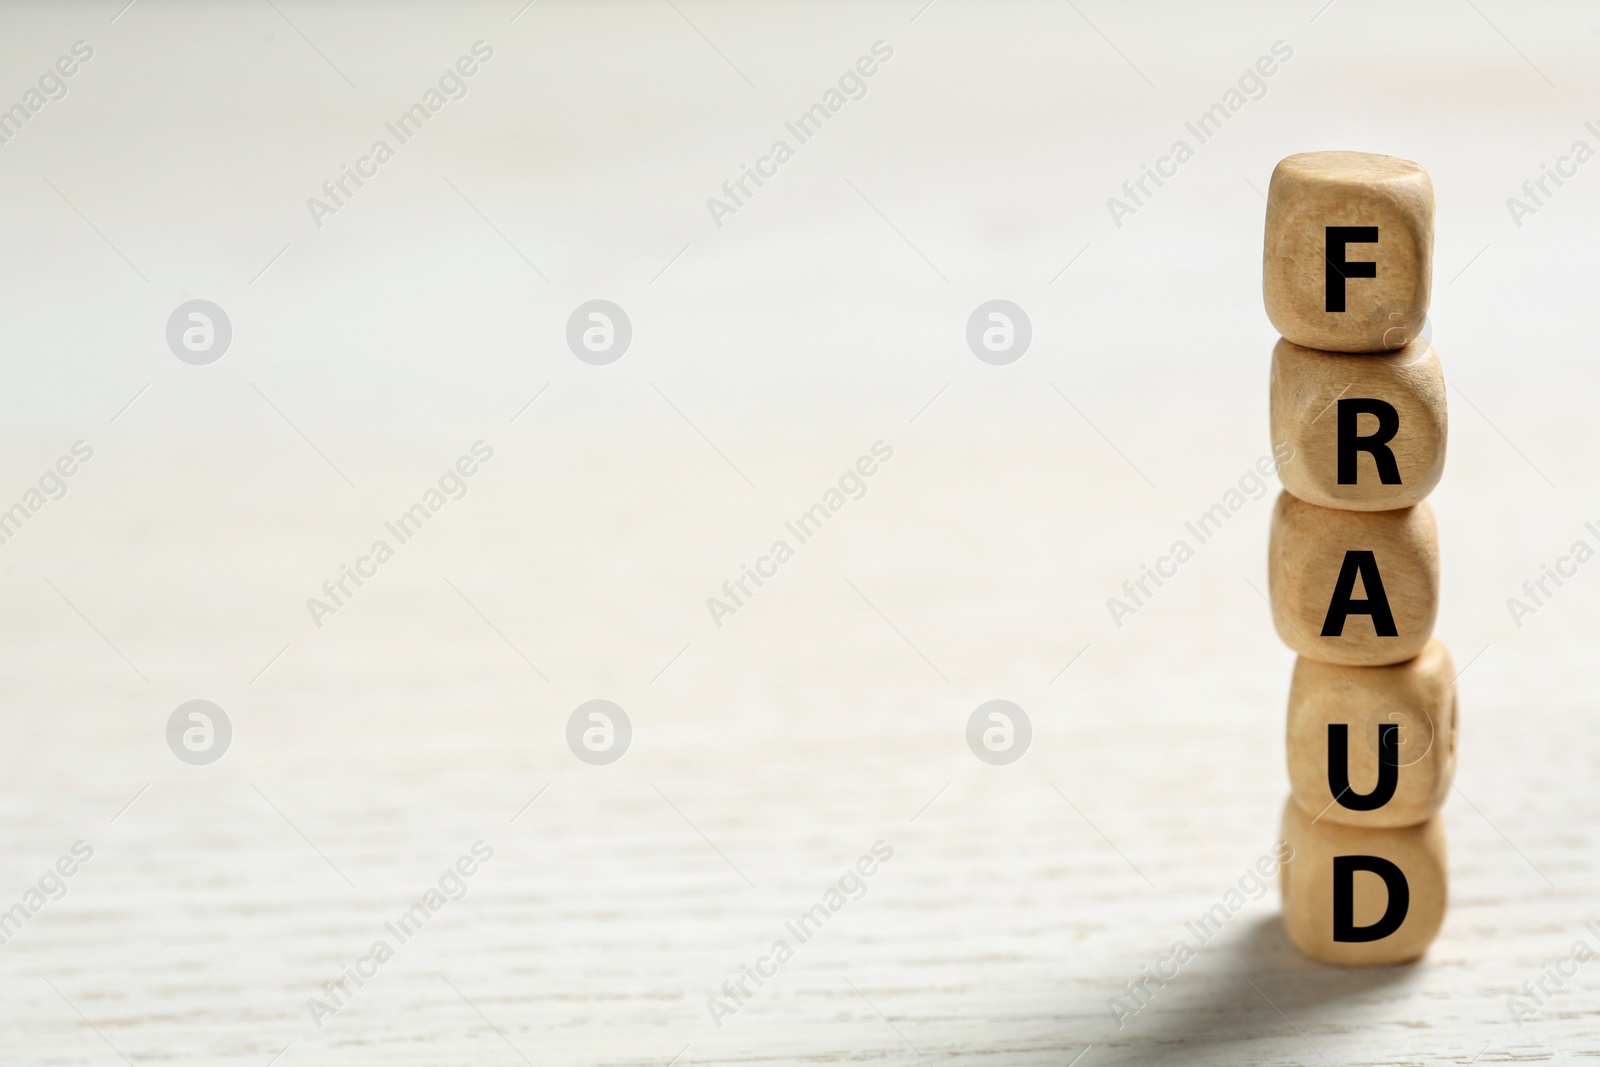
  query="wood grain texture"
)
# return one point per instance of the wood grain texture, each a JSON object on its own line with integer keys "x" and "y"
{"x": 1015, "y": 908}
{"x": 1312, "y": 191}
{"x": 1417, "y": 696}
{"x": 1307, "y": 390}
{"x": 1020, "y": 900}
{"x": 1309, "y": 550}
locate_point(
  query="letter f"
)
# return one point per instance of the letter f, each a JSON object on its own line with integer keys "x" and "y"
{"x": 1338, "y": 268}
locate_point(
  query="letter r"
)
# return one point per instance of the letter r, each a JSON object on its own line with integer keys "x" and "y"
{"x": 1352, "y": 443}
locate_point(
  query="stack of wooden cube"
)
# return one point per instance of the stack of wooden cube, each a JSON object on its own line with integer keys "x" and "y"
{"x": 1359, "y": 397}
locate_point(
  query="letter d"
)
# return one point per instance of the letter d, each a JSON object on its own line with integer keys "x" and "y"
{"x": 1344, "y": 872}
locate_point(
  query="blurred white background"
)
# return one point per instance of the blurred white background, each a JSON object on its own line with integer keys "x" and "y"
{"x": 768, "y": 353}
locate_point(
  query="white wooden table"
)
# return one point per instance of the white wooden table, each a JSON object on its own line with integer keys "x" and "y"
{"x": 829, "y": 712}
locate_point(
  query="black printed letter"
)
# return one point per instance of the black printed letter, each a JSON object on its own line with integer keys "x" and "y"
{"x": 1351, "y": 443}
{"x": 1344, "y": 876}
{"x": 1338, "y": 269}
{"x": 1343, "y": 604}
{"x": 1339, "y": 767}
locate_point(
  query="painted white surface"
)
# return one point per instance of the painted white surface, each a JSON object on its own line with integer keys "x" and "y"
{"x": 771, "y": 752}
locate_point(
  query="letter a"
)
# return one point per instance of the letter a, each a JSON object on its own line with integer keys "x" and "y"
{"x": 1365, "y": 565}
{"x": 318, "y": 209}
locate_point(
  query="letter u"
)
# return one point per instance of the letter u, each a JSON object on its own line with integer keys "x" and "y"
{"x": 1339, "y": 767}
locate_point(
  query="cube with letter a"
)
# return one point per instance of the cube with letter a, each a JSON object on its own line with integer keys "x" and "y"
{"x": 1357, "y": 588}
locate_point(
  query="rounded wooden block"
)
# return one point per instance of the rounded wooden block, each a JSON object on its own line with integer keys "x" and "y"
{"x": 1322, "y": 560}
{"x": 1368, "y": 431}
{"x": 1329, "y": 281}
{"x": 1339, "y": 872}
{"x": 1415, "y": 700}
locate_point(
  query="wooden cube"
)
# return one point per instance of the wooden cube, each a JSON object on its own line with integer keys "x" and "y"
{"x": 1368, "y": 431}
{"x": 1392, "y": 736}
{"x": 1358, "y": 588}
{"x": 1348, "y": 263}
{"x": 1362, "y": 897}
